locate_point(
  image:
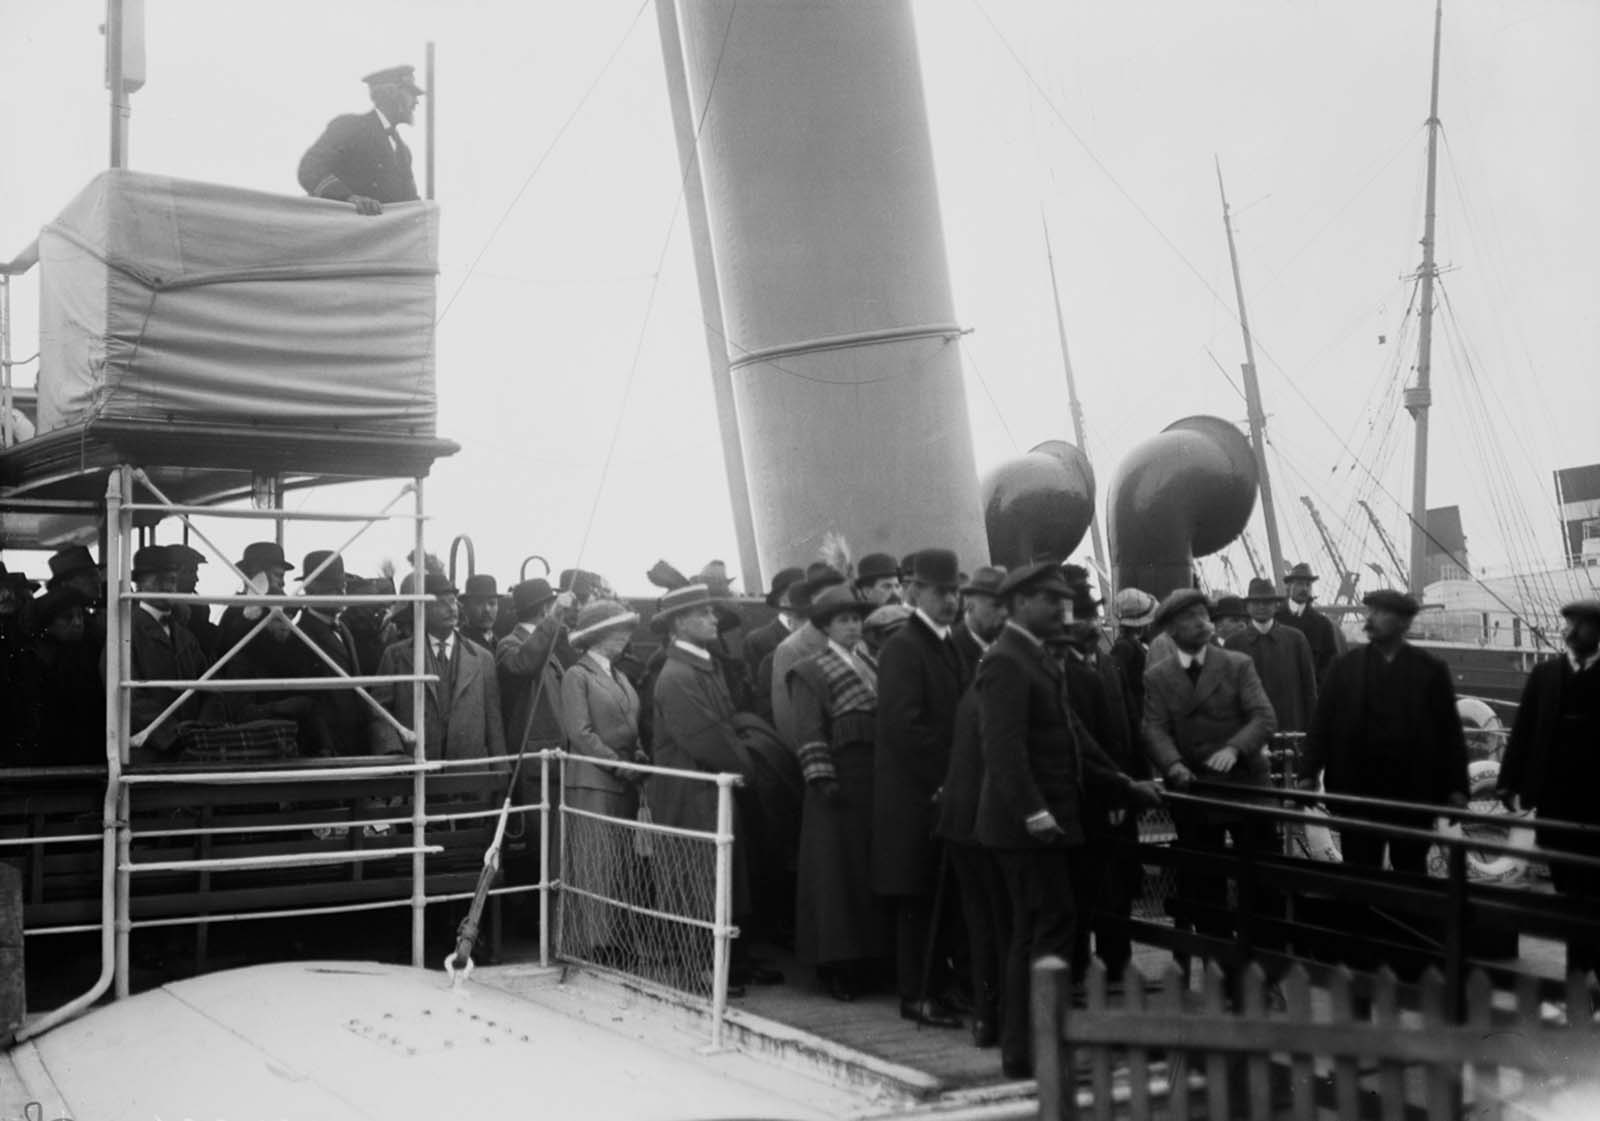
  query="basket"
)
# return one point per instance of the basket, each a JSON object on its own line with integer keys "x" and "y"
{"x": 255, "y": 741}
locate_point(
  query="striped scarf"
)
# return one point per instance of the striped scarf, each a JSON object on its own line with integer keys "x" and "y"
{"x": 852, "y": 703}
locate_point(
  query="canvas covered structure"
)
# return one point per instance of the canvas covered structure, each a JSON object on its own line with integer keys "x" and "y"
{"x": 166, "y": 299}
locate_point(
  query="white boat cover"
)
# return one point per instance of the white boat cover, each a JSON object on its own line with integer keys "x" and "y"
{"x": 167, "y": 299}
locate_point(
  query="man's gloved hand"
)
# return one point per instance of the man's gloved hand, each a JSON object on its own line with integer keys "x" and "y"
{"x": 365, "y": 204}
{"x": 1179, "y": 777}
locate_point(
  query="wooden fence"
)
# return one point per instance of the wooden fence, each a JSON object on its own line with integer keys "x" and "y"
{"x": 1286, "y": 1051}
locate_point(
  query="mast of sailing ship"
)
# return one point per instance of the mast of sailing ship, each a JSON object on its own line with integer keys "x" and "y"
{"x": 1252, "y": 397}
{"x": 1076, "y": 407}
{"x": 1419, "y": 397}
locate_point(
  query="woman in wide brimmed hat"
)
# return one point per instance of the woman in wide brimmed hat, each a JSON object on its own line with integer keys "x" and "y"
{"x": 835, "y": 700}
{"x": 600, "y": 716}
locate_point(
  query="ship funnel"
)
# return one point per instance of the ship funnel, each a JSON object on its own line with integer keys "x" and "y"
{"x": 1039, "y": 504}
{"x": 1182, "y": 494}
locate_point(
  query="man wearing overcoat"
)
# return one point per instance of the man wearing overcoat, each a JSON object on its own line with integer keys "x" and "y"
{"x": 1301, "y": 613}
{"x": 1282, "y": 658}
{"x": 1552, "y": 763}
{"x": 1386, "y": 727}
{"x": 1040, "y": 767}
{"x": 921, "y": 676}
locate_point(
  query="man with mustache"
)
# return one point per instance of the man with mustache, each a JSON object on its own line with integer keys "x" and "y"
{"x": 1386, "y": 727}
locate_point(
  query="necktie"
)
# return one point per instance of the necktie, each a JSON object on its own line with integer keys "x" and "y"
{"x": 1193, "y": 671}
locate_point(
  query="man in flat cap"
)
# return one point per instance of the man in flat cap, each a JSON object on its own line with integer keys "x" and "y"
{"x": 360, "y": 158}
{"x": 1040, "y": 768}
{"x": 1552, "y": 763}
{"x": 921, "y": 676}
{"x": 982, "y": 614}
{"x": 1386, "y": 727}
{"x": 195, "y": 616}
{"x": 1206, "y": 714}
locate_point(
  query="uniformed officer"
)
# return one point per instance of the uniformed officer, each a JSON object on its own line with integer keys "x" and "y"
{"x": 360, "y": 158}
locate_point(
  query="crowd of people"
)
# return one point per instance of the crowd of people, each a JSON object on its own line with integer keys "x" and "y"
{"x": 939, "y": 767}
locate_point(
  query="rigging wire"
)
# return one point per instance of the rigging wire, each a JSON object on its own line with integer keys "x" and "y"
{"x": 538, "y": 164}
{"x": 655, "y": 284}
{"x": 972, "y": 361}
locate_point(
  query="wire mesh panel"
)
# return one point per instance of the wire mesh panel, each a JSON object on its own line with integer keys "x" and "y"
{"x": 1159, "y": 882}
{"x": 638, "y": 898}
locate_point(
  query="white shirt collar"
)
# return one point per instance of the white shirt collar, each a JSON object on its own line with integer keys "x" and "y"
{"x": 940, "y": 629}
{"x": 1264, "y": 628}
{"x": 1185, "y": 659}
{"x": 847, "y": 654}
{"x": 443, "y": 647}
{"x": 787, "y": 621}
{"x": 690, "y": 648}
{"x": 601, "y": 660}
{"x": 1297, "y": 609}
{"x": 1572, "y": 660}
{"x": 156, "y": 614}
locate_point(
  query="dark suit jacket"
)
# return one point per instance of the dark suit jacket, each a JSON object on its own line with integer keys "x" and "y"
{"x": 1188, "y": 722}
{"x": 920, "y": 682}
{"x": 469, "y": 727}
{"x": 757, "y": 645}
{"x": 156, "y": 656}
{"x": 1035, "y": 755}
{"x": 525, "y": 666}
{"x": 1283, "y": 660}
{"x": 1320, "y": 633}
{"x": 345, "y": 713}
{"x": 1436, "y": 762}
{"x": 353, "y": 157}
{"x": 963, "y": 779}
{"x": 1556, "y": 768}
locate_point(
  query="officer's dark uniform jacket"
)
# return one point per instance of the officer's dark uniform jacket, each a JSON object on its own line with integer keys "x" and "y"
{"x": 354, "y": 156}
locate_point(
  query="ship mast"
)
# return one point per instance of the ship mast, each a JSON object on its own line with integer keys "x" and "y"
{"x": 1076, "y": 407}
{"x": 1419, "y": 397}
{"x": 1252, "y": 397}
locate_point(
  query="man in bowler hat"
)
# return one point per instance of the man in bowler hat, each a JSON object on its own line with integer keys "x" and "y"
{"x": 480, "y": 606}
{"x": 1300, "y": 613}
{"x": 360, "y": 158}
{"x": 921, "y": 676}
{"x": 161, "y": 649}
{"x": 1282, "y": 657}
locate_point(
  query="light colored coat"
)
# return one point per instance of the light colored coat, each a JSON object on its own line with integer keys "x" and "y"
{"x": 600, "y": 715}
{"x": 473, "y": 729}
{"x": 1188, "y": 722}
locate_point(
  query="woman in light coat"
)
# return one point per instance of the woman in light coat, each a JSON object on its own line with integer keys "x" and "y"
{"x": 600, "y": 716}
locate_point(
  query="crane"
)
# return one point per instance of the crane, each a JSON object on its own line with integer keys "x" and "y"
{"x": 1227, "y": 566}
{"x": 1347, "y": 579}
{"x": 1250, "y": 551}
{"x": 1383, "y": 536}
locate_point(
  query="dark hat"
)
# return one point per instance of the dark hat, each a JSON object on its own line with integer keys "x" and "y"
{"x": 1301, "y": 571}
{"x": 937, "y": 568}
{"x": 334, "y": 571}
{"x": 1085, "y": 607}
{"x": 600, "y": 618}
{"x": 262, "y": 555}
{"x": 1582, "y": 609}
{"x": 714, "y": 574}
{"x": 836, "y": 600}
{"x": 186, "y": 557}
{"x": 1230, "y": 607}
{"x": 360, "y": 585}
{"x": 433, "y": 584}
{"x": 56, "y": 602}
{"x": 154, "y": 558}
{"x": 530, "y": 595}
{"x": 888, "y": 618}
{"x": 1041, "y": 576}
{"x": 985, "y": 581}
{"x": 781, "y": 582}
{"x": 403, "y": 76}
{"x": 580, "y": 582}
{"x": 1388, "y": 599}
{"x": 818, "y": 576}
{"x": 8, "y": 577}
{"x": 676, "y": 602}
{"x": 1261, "y": 588}
{"x": 1075, "y": 573}
{"x": 874, "y": 567}
{"x": 481, "y": 587}
{"x": 74, "y": 558}
{"x": 1178, "y": 602}
{"x": 908, "y": 564}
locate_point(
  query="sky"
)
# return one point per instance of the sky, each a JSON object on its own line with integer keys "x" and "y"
{"x": 571, "y": 360}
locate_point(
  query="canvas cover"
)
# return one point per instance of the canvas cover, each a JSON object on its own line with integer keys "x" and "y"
{"x": 163, "y": 298}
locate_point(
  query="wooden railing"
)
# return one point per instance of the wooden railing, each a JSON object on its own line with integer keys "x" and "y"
{"x": 1288, "y": 1051}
